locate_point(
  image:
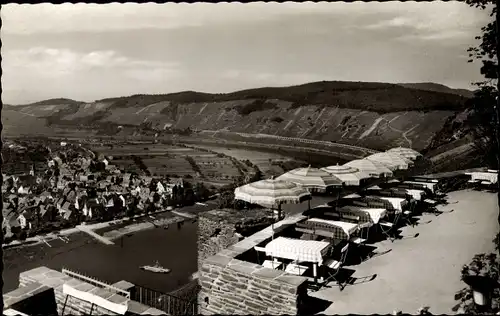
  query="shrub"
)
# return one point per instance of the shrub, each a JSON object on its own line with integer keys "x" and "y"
{"x": 277, "y": 119}
{"x": 255, "y": 106}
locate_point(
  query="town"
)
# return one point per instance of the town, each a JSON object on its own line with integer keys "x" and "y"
{"x": 49, "y": 188}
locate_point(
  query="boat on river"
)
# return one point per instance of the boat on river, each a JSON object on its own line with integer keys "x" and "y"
{"x": 156, "y": 268}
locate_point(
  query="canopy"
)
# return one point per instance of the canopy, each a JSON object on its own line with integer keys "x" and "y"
{"x": 397, "y": 203}
{"x": 350, "y": 176}
{"x": 272, "y": 193}
{"x": 391, "y": 160}
{"x": 428, "y": 185}
{"x": 296, "y": 249}
{"x": 311, "y": 178}
{"x": 405, "y": 152}
{"x": 373, "y": 168}
{"x": 416, "y": 194}
{"x": 372, "y": 215}
{"x": 484, "y": 176}
{"x": 339, "y": 229}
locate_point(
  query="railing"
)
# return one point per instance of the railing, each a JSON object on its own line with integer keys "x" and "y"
{"x": 168, "y": 303}
{"x": 95, "y": 282}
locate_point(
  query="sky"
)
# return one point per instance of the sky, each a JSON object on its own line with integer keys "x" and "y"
{"x": 88, "y": 52}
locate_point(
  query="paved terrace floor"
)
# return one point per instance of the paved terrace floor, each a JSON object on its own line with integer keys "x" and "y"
{"x": 422, "y": 271}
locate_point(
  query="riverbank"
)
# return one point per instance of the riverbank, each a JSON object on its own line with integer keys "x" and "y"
{"x": 40, "y": 239}
{"x": 137, "y": 227}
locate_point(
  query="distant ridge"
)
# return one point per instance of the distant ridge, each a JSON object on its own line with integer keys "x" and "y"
{"x": 436, "y": 87}
{"x": 371, "y": 96}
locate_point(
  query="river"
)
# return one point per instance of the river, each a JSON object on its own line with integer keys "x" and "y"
{"x": 174, "y": 248}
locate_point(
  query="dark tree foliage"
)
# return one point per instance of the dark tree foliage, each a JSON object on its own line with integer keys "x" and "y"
{"x": 483, "y": 118}
{"x": 484, "y": 123}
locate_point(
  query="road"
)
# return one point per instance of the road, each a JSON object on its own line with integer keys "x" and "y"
{"x": 299, "y": 140}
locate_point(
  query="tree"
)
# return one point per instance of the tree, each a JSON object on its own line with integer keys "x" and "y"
{"x": 484, "y": 123}
{"x": 484, "y": 117}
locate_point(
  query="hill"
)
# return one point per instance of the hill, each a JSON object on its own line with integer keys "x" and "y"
{"x": 430, "y": 86}
{"x": 367, "y": 114}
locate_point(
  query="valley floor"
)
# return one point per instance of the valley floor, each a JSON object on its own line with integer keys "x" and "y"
{"x": 422, "y": 271}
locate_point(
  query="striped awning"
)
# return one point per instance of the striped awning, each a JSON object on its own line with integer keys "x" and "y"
{"x": 311, "y": 178}
{"x": 372, "y": 215}
{"x": 391, "y": 160}
{"x": 397, "y": 203}
{"x": 405, "y": 152}
{"x": 297, "y": 249}
{"x": 373, "y": 168}
{"x": 349, "y": 175}
{"x": 429, "y": 185}
{"x": 484, "y": 176}
{"x": 272, "y": 193}
{"x": 416, "y": 194}
{"x": 340, "y": 230}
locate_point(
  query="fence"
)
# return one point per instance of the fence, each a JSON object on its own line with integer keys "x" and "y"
{"x": 168, "y": 303}
{"x": 95, "y": 282}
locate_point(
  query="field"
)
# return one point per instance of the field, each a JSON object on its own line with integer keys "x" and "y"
{"x": 263, "y": 160}
{"x": 173, "y": 161}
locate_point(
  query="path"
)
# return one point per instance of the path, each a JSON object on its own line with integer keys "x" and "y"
{"x": 100, "y": 238}
{"x": 423, "y": 271}
{"x": 184, "y": 214}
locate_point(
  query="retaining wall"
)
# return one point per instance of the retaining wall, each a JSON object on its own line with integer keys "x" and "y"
{"x": 232, "y": 286}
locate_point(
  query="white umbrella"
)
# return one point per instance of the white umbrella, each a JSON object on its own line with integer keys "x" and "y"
{"x": 373, "y": 168}
{"x": 390, "y": 160}
{"x": 405, "y": 152}
{"x": 272, "y": 193}
{"x": 348, "y": 175}
{"x": 312, "y": 179}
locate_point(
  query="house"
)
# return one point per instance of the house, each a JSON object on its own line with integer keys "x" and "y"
{"x": 59, "y": 203}
{"x": 83, "y": 178}
{"x": 136, "y": 191}
{"x": 110, "y": 202}
{"x": 70, "y": 216}
{"x": 51, "y": 163}
{"x": 126, "y": 180}
{"x": 65, "y": 191}
{"x": 47, "y": 213}
{"x": 25, "y": 219}
{"x": 71, "y": 197}
{"x": 23, "y": 190}
{"x": 160, "y": 188}
{"x": 65, "y": 208}
{"x": 11, "y": 225}
{"x": 63, "y": 144}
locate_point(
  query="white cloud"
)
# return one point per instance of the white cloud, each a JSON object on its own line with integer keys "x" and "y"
{"x": 61, "y": 64}
{"x": 23, "y": 18}
{"x": 434, "y": 21}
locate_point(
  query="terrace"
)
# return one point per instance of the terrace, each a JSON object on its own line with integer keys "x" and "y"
{"x": 258, "y": 276}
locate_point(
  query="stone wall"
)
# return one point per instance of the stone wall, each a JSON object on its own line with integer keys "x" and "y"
{"x": 214, "y": 236}
{"x": 232, "y": 286}
{"x": 218, "y": 229}
{"x": 45, "y": 277}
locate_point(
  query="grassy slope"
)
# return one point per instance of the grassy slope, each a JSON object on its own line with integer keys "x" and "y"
{"x": 337, "y": 111}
